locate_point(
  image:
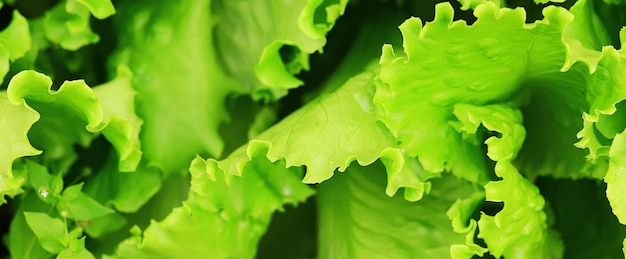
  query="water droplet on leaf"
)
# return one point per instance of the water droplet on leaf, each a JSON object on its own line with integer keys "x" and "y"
{"x": 44, "y": 192}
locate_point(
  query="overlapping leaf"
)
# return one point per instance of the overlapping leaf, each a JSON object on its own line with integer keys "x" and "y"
{"x": 15, "y": 122}
{"x": 75, "y": 104}
{"x": 356, "y": 219}
{"x": 520, "y": 230}
{"x": 68, "y": 23}
{"x": 15, "y": 41}
{"x": 442, "y": 69}
{"x": 223, "y": 216}
{"x": 264, "y": 43}
{"x": 180, "y": 87}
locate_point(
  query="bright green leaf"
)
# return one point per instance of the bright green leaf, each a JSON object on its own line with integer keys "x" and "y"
{"x": 616, "y": 177}
{"x": 224, "y": 216}
{"x": 76, "y": 205}
{"x": 519, "y": 64}
{"x": 117, "y": 100}
{"x": 99, "y": 8}
{"x": 76, "y": 104}
{"x": 126, "y": 192}
{"x": 357, "y": 220}
{"x": 15, "y": 122}
{"x": 50, "y": 231}
{"x": 15, "y": 41}
{"x": 281, "y": 43}
{"x": 75, "y": 250}
{"x": 16, "y": 37}
{"x": 184, "y": 122}
{"x": 520, "y": 229}
{"x": 21, "y": 241}
{"x": 67, "y": 25}
{"x": 47, "y": 186}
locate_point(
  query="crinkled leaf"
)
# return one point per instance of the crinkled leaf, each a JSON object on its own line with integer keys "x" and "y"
{"x": 67, "y": 24}
{"x": 520, "y": 230}
{"x": 584, "y": 36}
{"x": 603, "y": 123}
{"x": 117, "y": 100}
{"x": 224, "y": 215}
{"x": 519, "y": 64}
{"x": 15, "y": 41}
{"x": 99, "y": 8}
{"x": 461, "y": 213}
{"x": 472, "y": 4}
{"x": 75, "y": 104}
{"x": 279, "y": 36}
{"x": 15, "y": 122}
{"x": 76, "y": 205}
{"x": 604, "y": 118}
{"x": 328, "y": 133}
{"x": 180, "y": 91}
{"x": 604, "y": 126}
{"x": 363, "y": 52}
{"x": 357, "y": 220}
{"x": 50, "y": 231}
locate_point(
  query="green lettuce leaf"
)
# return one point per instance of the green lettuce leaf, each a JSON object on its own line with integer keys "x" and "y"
{"x": 15, "y": 122}
{"x": 68, "y": 22}
{"x": 15, "y": 41}
{"x": 603, "y": 122}
{"x": 520, "y": 229}
{"x": 184, "y": 121}
{"x": 356, "y": 219}
{"x": 584, "y": 36}
{"x": 224, "y": 215}
{"x": 67, "y": 25}
{"x": 279, "y": 36}
{"x": 75, "y": 104}
{"x": 462, "y": 215}
{"x": 522, "y": 68}
{"x": 126, "y": 192}
{"x": 117, "y": 98}
{"x": 326, "y": 135}
{"x": 98, "y": 8}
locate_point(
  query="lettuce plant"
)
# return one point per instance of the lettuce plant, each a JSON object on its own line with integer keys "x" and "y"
{"x": 313, "y": 129}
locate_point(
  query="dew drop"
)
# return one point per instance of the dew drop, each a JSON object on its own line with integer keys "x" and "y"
{"x": 43, "y": 191}
{"x": 287, "y": 191}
